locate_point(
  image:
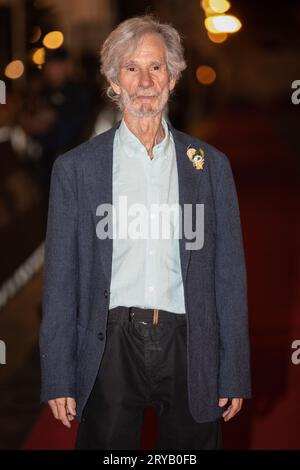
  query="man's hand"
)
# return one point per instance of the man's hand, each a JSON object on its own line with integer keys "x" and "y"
{"x": 63, "y": 409}
{"x": 233, "y": 409}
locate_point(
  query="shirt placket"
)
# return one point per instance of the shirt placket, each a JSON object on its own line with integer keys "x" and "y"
{"x": 152, "y": 244}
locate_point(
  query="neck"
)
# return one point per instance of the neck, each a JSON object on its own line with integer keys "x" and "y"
{"x": 148, "y": 130}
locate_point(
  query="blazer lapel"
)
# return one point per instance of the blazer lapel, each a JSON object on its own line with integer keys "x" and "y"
{"x": 189, "y": 182}
{"x": 99, "y": 183}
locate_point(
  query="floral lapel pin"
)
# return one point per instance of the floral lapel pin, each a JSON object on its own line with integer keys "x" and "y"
{"x": 196, "y": 157}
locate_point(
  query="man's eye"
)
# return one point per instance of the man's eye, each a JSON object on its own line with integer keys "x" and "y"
{"x": 156, "y": 67}
{"x": 131, "y": 69}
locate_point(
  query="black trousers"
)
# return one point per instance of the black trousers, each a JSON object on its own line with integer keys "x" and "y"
{"x": 143, "y": 364}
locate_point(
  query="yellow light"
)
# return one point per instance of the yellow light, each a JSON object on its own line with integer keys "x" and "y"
{"x": 222, "y": 24}
{"x": 206, "y": 7}
{"x": 53, "y": 40}
{"x": 219, "y": 6}
{"x": 38, "y": 57}
{"x": 217, "y": 37}
{"x": 205, "y": 74}
{"x": 205, "y": 4}
{"x": 14, "y": 69}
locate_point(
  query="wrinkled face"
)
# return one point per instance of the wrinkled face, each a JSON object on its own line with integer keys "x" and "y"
{"x": 144, "y": 83}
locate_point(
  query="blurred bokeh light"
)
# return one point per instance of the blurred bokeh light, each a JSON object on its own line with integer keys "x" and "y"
{"x": 223, "y": 24}
{"x": 205, "y": 74}
{"x": 14, "y": 69}
{"x": 36, "y": 35}
{"x": 53, "y": 40}
{"x": 38, "y": 56}
{"x": 219, "y": 6}
{"x": 218, "y": 38}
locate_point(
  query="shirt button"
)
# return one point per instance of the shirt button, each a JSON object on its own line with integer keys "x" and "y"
{"x": 151, "y": 288}
{"x": 100, "y": 335}
{"x": 151, "y": 252}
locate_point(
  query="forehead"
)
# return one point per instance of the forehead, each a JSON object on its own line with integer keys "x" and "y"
{"x": 151, "y": 47}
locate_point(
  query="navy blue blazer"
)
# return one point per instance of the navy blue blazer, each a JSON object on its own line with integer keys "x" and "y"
{"x": 77, "y": 278}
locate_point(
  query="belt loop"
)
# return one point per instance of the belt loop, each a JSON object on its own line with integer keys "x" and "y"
{"x": 155, "y": 316}
{"x": 130, "y": 314}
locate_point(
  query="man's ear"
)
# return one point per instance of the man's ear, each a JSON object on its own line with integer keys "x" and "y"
{"x": 172, "y": 83}
{"x": 115, "y": 87}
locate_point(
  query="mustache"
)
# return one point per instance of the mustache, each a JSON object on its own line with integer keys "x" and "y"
{"x": 144, "y": 93}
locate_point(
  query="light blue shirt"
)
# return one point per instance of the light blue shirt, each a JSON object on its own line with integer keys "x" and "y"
{"x": 146, "y": 269}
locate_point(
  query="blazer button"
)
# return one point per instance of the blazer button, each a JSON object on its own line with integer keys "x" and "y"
{"x": 106, "y": 293}
{"x": 100, "y": 335}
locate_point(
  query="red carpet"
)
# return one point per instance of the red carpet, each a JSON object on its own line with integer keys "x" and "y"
{"x": 49, "y": 434}
{"x": 267, "y": 176}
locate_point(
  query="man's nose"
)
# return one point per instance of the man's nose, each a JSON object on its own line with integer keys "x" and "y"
{"x": 145, "y": 79}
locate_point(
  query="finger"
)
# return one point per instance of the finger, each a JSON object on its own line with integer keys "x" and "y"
{"x": 236, "y": 403}
{"x": 223, "y": 401}
{"x": 71, "y": 406}
{"x": 53, "y": 408}
{"x": 232, "y": 410}
{"x": 62, "y": 414}
{"x": 231, "y": 413}
{"x": 227, "y": 411}
{"x": 240, "y": 401}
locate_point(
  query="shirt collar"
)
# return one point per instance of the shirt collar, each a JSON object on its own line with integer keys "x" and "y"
{"x": 134, "y": 147}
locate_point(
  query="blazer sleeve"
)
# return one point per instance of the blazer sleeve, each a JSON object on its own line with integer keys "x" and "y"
{"x": 58, "y": 331}
{"x": 231, "y": 291}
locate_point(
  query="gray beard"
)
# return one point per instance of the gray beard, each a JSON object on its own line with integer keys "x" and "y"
{"x": 126, "y": 103}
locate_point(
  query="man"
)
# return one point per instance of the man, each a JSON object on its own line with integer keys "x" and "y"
{"x": 130, "y": 320}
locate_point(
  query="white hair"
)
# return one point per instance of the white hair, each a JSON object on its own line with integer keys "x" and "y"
{"x": 125, "y": 37}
